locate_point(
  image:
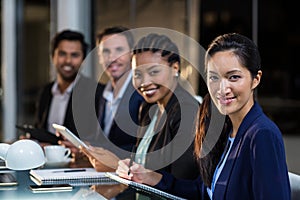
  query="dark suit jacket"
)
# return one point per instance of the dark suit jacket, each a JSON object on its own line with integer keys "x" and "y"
{"x": 172, "y": 145}
{"x": 124, "y": 126}
{"x": 255, "y": 169}
{"x": 44, "y": 102}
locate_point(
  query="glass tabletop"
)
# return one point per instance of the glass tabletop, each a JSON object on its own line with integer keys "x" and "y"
{"x": 88, "y": 192}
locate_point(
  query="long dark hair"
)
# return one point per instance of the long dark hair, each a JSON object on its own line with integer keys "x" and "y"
{"x": 208, "y": 162}
{"x": 244, "y": 48}
{"x": 248, "y": 56}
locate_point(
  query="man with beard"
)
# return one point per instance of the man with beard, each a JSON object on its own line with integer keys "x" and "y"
{"x": 68, "y": 50}
{"x": 119, "y": 104}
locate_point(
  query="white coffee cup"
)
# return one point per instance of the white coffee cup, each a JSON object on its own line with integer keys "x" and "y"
{"x": 57, "y": 153}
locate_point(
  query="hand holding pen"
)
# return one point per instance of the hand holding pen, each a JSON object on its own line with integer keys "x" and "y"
{"x": 131, "y": 158}
{"x": 137, "y": 173}
{"x": 131, "y": 170}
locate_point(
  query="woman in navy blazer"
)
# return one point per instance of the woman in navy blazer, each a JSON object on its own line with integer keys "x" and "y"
{"x": 248, "y": 159}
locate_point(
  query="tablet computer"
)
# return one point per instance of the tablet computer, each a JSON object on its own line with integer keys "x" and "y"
{"x": 70, "y": 136}
{"x": 39, "y": 134}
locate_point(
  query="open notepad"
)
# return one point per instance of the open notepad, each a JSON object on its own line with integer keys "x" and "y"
{"x": 142, "y": 187}
{"x": 72, "y": 176}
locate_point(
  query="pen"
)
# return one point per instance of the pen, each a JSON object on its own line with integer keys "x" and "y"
{"x": 71, "y": 170}
{"x": 131, "y": 158}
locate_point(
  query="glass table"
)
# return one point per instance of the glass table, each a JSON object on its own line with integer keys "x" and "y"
{"x": 88, "y": 192}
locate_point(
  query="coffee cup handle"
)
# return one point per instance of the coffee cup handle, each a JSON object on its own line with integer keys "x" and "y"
{"x": 67, "y": 153}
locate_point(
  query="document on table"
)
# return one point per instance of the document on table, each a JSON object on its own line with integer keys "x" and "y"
{"x": 143, "y": 187}
{"x": 72, "y": 176}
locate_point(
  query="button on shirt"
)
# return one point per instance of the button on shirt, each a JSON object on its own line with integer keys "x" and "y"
{"x": 112, "y": 103}
{"x": 58, "y": 105}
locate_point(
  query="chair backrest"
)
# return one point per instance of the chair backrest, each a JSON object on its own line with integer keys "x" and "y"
{"x": 295, "y": 185}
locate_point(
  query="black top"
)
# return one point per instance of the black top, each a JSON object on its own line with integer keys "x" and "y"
{"x": 174, "y": 136}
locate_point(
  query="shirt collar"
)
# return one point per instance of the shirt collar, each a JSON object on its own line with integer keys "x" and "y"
{"x": 108, "y": 90}
{"x": 55, "y": 90}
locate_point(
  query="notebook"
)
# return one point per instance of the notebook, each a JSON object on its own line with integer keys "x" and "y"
{"x": 142, "y": 187}
{"x": 39, "y": 134}
{"x": 72, "y": 176}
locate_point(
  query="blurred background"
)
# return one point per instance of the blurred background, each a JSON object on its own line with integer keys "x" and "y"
{"x": 27, "y": 27}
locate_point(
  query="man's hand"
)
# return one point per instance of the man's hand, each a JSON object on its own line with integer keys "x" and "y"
{"x": 101, "y": 159}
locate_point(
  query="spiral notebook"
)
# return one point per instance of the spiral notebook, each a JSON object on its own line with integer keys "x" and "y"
{"x": 72, "y": 176}
{"x": 142, "y": 187}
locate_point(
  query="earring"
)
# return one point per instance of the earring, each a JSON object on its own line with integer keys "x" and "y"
{"x": 176, "y": 75}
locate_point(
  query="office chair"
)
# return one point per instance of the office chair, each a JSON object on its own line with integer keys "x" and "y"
{"x": 295, "y": 185}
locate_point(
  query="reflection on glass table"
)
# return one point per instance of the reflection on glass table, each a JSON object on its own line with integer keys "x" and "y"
{"x": 88, "y": 192}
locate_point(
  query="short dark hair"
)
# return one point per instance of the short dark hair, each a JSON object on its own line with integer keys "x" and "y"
{"x": 116, "y": 30}
{"x": 69, "y": 35}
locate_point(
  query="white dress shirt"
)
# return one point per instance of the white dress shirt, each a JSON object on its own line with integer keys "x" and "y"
{"x": 58, "y": 105}
{"x": 112, "y": 103}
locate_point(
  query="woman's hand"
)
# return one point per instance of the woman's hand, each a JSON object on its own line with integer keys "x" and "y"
{"x": 137, "y": 173}
{"x": 101, "y": 159}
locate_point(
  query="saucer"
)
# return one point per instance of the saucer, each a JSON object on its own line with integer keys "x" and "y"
{"x": 63, "y": 163}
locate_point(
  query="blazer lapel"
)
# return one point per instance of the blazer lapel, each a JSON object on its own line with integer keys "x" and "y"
{"x": 221, "y": 185}
{"x": 123, "y": 111}
{"x": 45, "y": 107}
{"x": 101, "y": 111}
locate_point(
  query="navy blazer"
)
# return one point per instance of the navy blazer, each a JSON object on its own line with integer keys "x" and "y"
{"x": 255, "y": 169}
{"x": 125, "y": 124}
{"x": 44, "y": 102}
